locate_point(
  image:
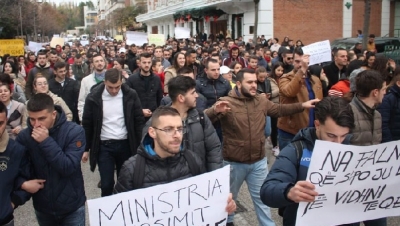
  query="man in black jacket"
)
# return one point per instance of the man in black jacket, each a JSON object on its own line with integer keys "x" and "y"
{"x": 147, "y": 85}
{"x": 337, "y": 67}
{"x": 113, "y": 122}
{"x": 66, "y": 88}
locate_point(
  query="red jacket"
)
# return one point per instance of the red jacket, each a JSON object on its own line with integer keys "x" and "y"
{"x": 162, "y": 77}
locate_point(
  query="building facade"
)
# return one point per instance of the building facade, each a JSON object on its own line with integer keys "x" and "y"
{"x": 90, "y": 15}
{"x": 306, "y": 20}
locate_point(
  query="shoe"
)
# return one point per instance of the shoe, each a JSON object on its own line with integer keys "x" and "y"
{"x": 275, "y": 151}
{"x": 99, "y": 184}
{"x": 230, "y": 224}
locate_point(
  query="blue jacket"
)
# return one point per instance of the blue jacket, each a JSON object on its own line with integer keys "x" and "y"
{"x": 57, "y": 160}
{"x": 286, "y": 171}
{"x": 212, "y": 89}
{"x": 14, "y": 170}
{"x": 390, "y": 112}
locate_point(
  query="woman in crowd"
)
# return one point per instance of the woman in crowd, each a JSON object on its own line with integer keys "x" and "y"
{"x": 22, "y": 67}
{"x": 40, "y": 85}
{"x": 235, "y": 68}
{"x": 318, "y": 71}
{"x": 170, "y": 72}
{"x": 299, "y": 43}
{"x": 369, "y": 59}
{"x": 119, "y": 64}
{"x": 276, "y": 73}
{"x": 11, "y": 69}
{"x": 31, "y": 61}
{"x": 16, "y": 111}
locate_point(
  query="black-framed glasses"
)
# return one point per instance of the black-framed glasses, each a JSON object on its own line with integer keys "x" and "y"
{"x": 172, "y": 131}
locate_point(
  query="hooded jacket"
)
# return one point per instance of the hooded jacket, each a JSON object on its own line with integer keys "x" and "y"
{"x": 57, "y": 160}
{"x": 46, "y": 71}
{"x": 202, "y": 141}
{"x": 390, "y": 112}
{"x": 286, "y": 171}
{"x": 243, "y": 126}
{"x": 227, "y": 61}
{"x": 157, "y": 170}
{"x": 92, "y": 120}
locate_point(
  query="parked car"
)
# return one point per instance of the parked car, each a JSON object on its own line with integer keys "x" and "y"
{"x": 380, "y": 43}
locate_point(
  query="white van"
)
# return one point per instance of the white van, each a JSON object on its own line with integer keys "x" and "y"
{"x": 84, "y": 37}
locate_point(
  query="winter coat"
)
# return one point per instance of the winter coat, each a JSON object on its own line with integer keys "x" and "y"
{"x": 68, "y": 93}
{"x": 333, "y": 73}
{"x": 201, "y": 102}
{"x": 274, "y": 90}
{"x": 390, "y": 112}
{"x": 212, "y": 89}
{"x": 57, "y": 160}
{"x": 46, "y": 71}
{"x": 227, "y": 61}
{"x": 16, "y": 117}
{"x": 92, "y": 120}
{"x": 168, "y": 74}
{"x": 243, "y": 126}
{"x": 80, "y": 71}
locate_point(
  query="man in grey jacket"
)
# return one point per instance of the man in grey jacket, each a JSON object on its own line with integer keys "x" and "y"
{"x": 200, "y": 135}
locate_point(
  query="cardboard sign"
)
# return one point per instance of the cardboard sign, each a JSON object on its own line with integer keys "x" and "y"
{"x": 182, "y": 32}
{"x": 14, "y": 47}
{"x": 137, "y": 38}
{"x": 157, "y": 39}
{"x": 57, "y": 41}
{"x": 319, "y": 52}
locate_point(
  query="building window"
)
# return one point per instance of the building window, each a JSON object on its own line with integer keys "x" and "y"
{"x": 251, "y": 30}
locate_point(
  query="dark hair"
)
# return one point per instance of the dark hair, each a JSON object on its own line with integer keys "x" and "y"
{"x": 6, "y": 79}
{"x": 113, "y": 75}
{"x": 120, "y": 61}
{"x": 145, "y": 55}
{"x": 78, "y": 56}
{"x": 180, "y": 85}
{"x": 260, "y": 70}
{"x": 371, "y": 36}
{"x": 74, "y": 51}
{"x": 368, "y": 80}
{"x": 40, "y": 102}
{"x": 353, "y": 65}
{"x": 233, "y": 64}
{"x": 53, "y": 52}
{"x": 274, "y": 67}
{"x": 175, "y": 62}
{"x": 211, "y": 50}
{"x": 41, "y": 53}
{"x": 336, "y": 51}
{"x": 184, "y": 70}
{"x": 338, "y": 109}
{"x": 315, "y": 70}
{"x": 298, "y": 51}
{"x": 3, "y": 108}
{"x": 211, "y": 60}
{"x": 59, "y": 65}
{"x": 162, "y": 111}
{"x": 240, "y": 74}
{"x": 253, "y": 57}
{"x": 13, "y": 66}
{"x": 190, "y": 51}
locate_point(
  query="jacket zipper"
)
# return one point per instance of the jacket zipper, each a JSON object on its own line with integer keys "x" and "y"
{"x": 168, "y": 171}
{"x": 215, "y": 91}
{"x": 248, "y": 121}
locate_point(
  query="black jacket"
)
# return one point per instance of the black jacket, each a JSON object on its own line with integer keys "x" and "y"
{"x": 333, "y": 73}
{"x": 157, "y": 170}
{"x": 390, "y": 112}
{"x": 69, "y": 93}
{"x": 202, "y": 141}
{"x": 92, "y": 120}
{"x": 57, "y": 160}
{"x": 150, "y": 92}
{"x": 212, "y": 89}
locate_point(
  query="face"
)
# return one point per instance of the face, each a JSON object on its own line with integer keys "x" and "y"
{"x": 298, "y": 43}
{"x": 150, "y": 50}
{"x": 167, "y": 138}
{"x": 246, "y": 56}
{"x": 213, "y": 70}
{"x": 371, "y": 40}
{"x": 133, "y": 49}
{"x": 297, "y": 62}
{"x": 260, "y": 52}
{"x": 379, "y": 94}
{"x": 41, "y": 85}
{"x": 248, "y": 87}
{"x": 139, "y": 51}
{"x": 237, "y": 68}
{"x": 227, "y": 76}
{"x": 167, "y": 54}
{"x": 98, "y": 63}
{"x": 78, "y": 61}
{"x": 288, "y": 59}
{"x": 158, "y": 53}
{"x": 145, "y": 64}
{"x": 21, "y": 60}
{"x": 341, "y": 57}
{"x": 113, "y": 88}
{"x": 32, "y": 57}
{"x": 156, "y": 67}
{"x": 7, "y": 68}
{"x": 275, "y": 54}
{"x": 190, "y": 98}
{"x": 253, "y": 63}
{"x": 279, "y": 71}
{"x": 371, "y": 60}
{"x": 330, "y": 131}
{"x": 181, "y": 60}
{"x": 192, "y": 58}
{"x": 60, "y": 73}
{"x": 5, "y": 94}
{"x": 235, "y": 53}
{"x": 42, "y": 59}
{"x": 117, "y": 65}
{"x": 44, "y": 118}
{"x": 70, "y": 72}
{"x": 262, "y": 76}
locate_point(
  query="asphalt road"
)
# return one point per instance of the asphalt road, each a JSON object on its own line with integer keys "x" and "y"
{"x": 25, "y": 216}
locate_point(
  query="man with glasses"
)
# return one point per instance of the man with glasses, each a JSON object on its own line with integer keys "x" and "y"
{"x": 297, "y": 86}
{"x": 113, "y": 121}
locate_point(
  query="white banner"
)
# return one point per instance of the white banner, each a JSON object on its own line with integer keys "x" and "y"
{"x": 319, "y": 52}
{"x": 35, "y": 46}
{"x": 182, "y": 32}
{"x": 199, "y": 200}
{"x": 354, "y": 183}
{"x": 84, "y": 43}
{"x": 137, "y": 38}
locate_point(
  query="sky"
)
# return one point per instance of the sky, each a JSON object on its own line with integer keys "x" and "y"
{"x": 59, "y": 1}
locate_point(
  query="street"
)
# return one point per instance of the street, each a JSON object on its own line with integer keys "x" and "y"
{"x": 24, "y": 216}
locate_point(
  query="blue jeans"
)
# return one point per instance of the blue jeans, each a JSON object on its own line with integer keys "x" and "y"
{"x": 284, "y": 139}
{"x": 267, "y": 129}
{"x": 376, "y": 222}
{"x": 254, "y": 175}
{"x": 112, "y": 156}
{"x": 76, "y": 218}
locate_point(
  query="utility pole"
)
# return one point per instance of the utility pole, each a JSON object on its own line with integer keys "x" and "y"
{"x": 20, "y": 16}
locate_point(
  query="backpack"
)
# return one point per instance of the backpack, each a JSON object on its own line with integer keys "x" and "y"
{"x": 138, "y": 176}
{"x": 299, "y": 152}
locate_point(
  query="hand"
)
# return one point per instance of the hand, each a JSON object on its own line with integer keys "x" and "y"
{"x": 310, "y": 103}
{"x": 147, "y": 113}
{"x": 222, "y": 107}
{"x": 231, "y": 207}
{"x": 125, "y": 74}
{"x": 33, "y": 186}
{"x": 392, "y": 64}
{"x": 303, "y": 191}
{"x": 305, "y": 60}
{"x": 16, "y": 130}
{"x": 85, "y": 157}
{"x": 40, "y": 133}
{"x": 12, "y": 204}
